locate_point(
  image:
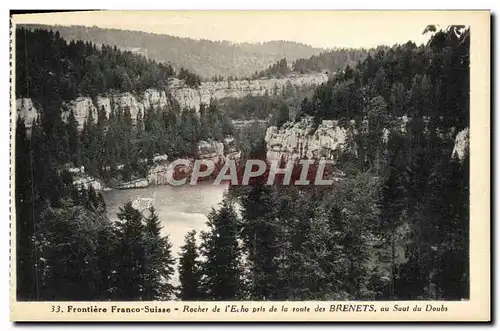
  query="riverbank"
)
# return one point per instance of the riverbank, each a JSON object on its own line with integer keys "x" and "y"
{"x": 157, "y": 174}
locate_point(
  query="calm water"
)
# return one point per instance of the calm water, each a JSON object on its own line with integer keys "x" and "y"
{"x": 180, "y": 208}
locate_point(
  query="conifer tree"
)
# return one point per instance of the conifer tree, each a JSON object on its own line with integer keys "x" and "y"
{"x": 189, "y": 269}
{"x": 358, "y": 211}
{"x": 25, "y": 216}
{"x": 131, "y": 255}
{"x": 393, "y": 209}
{"x": 221, "y": 267}
{"x": 71, "y": 253}
{"x": 159, "y": 263}
{"x": 260, "y": 231}
{"x": 73, "y": 141}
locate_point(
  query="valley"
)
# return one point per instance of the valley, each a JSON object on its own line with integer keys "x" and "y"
{"x": 101, "y": 114}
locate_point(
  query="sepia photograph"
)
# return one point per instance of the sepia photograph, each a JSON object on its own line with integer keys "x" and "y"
{"x": 245, "y": 156}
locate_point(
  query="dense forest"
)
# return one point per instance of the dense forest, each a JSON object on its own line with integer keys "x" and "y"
{"x": 115, "y": 149}
{"x": 49, "y": 67}
{"x": 203, "y": 57}
{"x": 330, "y": 62}
{"x": 428, "y": 83}
{"x": 396, "y": 227}
{"x": 279, "y": 69}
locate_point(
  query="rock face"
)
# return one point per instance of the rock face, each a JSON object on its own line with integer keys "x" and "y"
{"x": 88, "y": 181}
{"x": 176, "y": 91}
{"x": 301, "y": 139}
{"x": 214, "y": 151}
{"x": 26, "y": 110}
{"x": 192, "y": 98}
{"x": 141, "y": 182}
{"x": 461, "y": 144}
{"x": 83, "y": 105}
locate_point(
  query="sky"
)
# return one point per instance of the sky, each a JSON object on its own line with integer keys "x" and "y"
{"x": 324, "y": 29}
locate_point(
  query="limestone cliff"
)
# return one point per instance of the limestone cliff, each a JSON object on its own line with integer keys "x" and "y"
{"x": 461, "y": 144}
{"x": 82, "y": 179}
{"x": 192, "y": 98}
{"x": 176, "y": 91}
{"x": 26, "y": 110}
{"x": 83, "y": 105}
{"x": 217, "y": 152}
{"x": 214, "y": 151}
{"x": 302, "y": 139}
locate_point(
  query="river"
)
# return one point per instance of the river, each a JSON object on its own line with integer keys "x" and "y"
{"x": 180, "y": 208}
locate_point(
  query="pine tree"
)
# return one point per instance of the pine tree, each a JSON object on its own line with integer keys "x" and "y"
{"x": 393, "y": 211}
{"x": 25, "y": 216}
{"x": 73, "y": 141}
{"x": 289, "y": 270}
{"x": 260, "y": 239}
{"x": 139, "y": 127}
{"x": 189, "y": 270}
{"x": 131, "y": 255}
{"x": 159, "y": 263}
{"x": 72, "y": 254}
{"x": 377, "y": 123}
{"x": 259, "y": 231}
{"x": 325, "y": 258}
{"x": 358, "y": 211}
{"x": 221, "y": 268}
{"x": 88, "y": 143}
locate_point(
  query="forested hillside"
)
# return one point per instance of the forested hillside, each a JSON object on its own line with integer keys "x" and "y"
{"x": 49, "y": 67}
{"x": 429, "y": 82}
{"x": 332, "y": 61}
{"x": 203, "y": 57}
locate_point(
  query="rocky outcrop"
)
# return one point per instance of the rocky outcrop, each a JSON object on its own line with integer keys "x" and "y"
{"x": 83, "y": 105}
{"x": 176, "y": 91}
{"x": 81, "y": 179}
{"x": 143, "y": 203}
{"x": 304, "y": 140}
{"x": 461, "y": 144}
{"x": 26, "y": 110}
{"x": 88, "y": 181}
{"x": 137, "y": 183}
{"x": 214, "y": 151}
{"x": 157, "y": 175}
{"x": 194, "y": 97}
{"x": 210, "y": 149}
{"x": 217, "y": 152}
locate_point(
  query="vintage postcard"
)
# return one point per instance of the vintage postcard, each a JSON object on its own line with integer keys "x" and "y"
{"x": 250, "y": 166}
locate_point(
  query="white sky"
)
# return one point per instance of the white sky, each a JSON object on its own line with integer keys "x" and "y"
{"x": 317, "y": 28}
